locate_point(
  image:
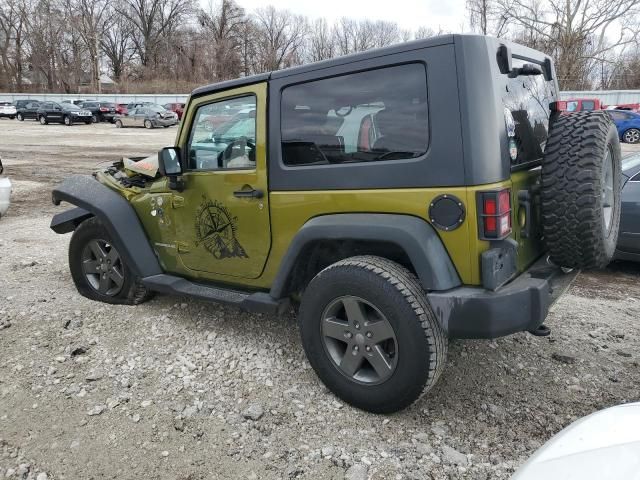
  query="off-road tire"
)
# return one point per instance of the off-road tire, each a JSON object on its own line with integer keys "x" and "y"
{"x": 43, "y": 120}
{"x": 396, "y": 293}
{"x": 132, "y": 291}
{"x": 572, "y": 199}
{"x": 118, "y": 124}
{"x": 148, "y": 124}
{"x": 20, "y": 117}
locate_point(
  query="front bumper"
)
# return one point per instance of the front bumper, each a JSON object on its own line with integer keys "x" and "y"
{"x": 521, "y": 305}
{"x": 164, "y": 122}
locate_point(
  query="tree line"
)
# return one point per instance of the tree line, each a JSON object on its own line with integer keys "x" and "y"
{"x": 173, "y": 45}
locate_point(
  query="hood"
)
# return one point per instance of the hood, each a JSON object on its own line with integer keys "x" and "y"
{"x": 147, "y": 166}
{"x": 603, "y": 445}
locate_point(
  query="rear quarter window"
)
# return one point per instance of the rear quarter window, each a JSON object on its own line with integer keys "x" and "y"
{"x": 371, "y": 116}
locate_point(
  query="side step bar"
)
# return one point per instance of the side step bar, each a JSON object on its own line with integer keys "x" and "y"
{"x": 258, "y": 302}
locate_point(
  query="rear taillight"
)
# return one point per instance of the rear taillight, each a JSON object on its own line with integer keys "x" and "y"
{"x": 104, "y": 109}
{"x": 494, "y": 211}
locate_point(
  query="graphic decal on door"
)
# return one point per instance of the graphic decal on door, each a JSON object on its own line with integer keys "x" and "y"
{"x": 216, "y": 230}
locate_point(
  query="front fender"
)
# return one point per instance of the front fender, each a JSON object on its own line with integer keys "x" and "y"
{"x": 416, "y": 237}
{"x": 115, "y": 213}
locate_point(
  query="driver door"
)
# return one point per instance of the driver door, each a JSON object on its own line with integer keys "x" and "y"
{"x": 222, "y": 215}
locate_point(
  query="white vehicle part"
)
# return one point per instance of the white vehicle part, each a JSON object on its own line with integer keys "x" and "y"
{"x": 5, "y": 194}
{"x": 604, "y": 445}
{"x": 147, "y": 166}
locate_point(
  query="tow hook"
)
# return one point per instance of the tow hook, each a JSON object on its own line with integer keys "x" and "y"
{"x": 541, "y": 331}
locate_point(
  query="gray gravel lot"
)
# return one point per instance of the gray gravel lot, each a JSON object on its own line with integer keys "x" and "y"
{"x": 181, "y": 389}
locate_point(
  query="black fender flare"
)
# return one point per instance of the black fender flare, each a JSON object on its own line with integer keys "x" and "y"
{"x": 414, "y": 235}
{"x": 116, "y": 214}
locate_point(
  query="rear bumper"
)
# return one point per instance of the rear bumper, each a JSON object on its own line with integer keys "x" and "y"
{"x": 522, "y": 305}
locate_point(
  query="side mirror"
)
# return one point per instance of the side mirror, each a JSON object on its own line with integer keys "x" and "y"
{"x": 170, "y": 166}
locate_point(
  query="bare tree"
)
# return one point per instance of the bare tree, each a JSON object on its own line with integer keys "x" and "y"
{"x": 577, "y": 33}
{"x": 152, "y": 21}
{"x": 321, "y": 42}
{"x": 279, "y": 38}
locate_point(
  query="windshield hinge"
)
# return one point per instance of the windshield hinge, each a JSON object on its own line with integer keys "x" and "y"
{"x": 182, "y": 247}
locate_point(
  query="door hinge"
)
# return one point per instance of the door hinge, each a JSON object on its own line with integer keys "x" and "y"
{"x": 177, "y": 201}
{"x": 182, "y": 247}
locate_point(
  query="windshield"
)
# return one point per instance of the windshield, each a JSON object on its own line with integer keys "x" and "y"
{"x": 70, "y": 107}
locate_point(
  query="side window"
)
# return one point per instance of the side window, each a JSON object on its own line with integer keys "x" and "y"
{"x": 223, "y": 135}
{"x": 369, "y": 116}
{"x": 616, "y": 116}
{"x": 572, "y": 106}
{"x": 588, "y": 105}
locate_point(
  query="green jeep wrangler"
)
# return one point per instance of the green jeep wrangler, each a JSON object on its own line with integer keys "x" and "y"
{"x": 401, "y": 196}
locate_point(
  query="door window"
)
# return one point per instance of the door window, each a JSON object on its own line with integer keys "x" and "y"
{"x": 223, "y": 135}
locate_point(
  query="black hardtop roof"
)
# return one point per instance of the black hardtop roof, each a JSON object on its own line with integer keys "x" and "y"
{"x": 354, "y": 57}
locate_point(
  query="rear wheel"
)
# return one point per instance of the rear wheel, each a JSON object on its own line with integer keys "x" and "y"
{"x": 43, "y": 120}
{"x": 370, "y": 335}
{"x": 581, "y": 182}
{"x": 98, "y": 269}
{"x": 631, "y": 136}
{"x": 11, "y": 117}
{"x": 94, "y": 119}
{"x": 148, "y": 124}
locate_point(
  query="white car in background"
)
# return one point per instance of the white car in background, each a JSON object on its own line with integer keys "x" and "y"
{"x": 8, "y": 109}
{"x": 5, "y": 191}
{"x": 602, "y": 446}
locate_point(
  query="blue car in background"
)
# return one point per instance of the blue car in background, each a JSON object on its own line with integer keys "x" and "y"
{"x": 628, "y": 125}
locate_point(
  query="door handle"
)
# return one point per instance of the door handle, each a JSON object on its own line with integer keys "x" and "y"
{"x": 253, "y": 193}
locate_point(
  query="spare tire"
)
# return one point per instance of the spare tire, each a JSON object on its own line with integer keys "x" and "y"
{"x": 580, "y": 195}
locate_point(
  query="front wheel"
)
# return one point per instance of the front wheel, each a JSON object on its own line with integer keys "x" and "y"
{"x": 43, "y": 120}
{"x": 98, "y": 269}
{"x": 67, "y": 120}
{"x": 20, "y": 117}
{"x": 118, "y": 124}
{"x": 148, "y": 124}
{"x": 631, "y": 136}
{"x": 370, "y": 335}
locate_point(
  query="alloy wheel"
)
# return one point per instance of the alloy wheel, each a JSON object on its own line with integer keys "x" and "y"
{"x": 632, "y": 136}
{"x": 102, "y": 267}
{"x": 359, "y": 340}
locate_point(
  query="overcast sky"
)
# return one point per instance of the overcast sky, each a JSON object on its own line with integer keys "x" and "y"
{"x": 410, "y": 14}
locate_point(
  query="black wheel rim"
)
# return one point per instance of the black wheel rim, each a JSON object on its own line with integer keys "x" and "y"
{"x": 608, "y": 196}
{"x": 102, "y": 267}
{"x": 359, "y": 340}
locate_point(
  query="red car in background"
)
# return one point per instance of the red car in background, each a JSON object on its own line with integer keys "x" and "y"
{"x": 121, "y": 108}
{"x": 178, "y": 108}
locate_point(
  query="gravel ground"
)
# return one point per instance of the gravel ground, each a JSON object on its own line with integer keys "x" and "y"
{"x": 181, "y": 389}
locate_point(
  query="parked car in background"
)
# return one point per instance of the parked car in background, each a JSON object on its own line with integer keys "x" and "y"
{"x": 22, "y": 102}
{"x": 7, "y": 109}
{"x": 628, "y": 125}
{"x": 632, "y": 107}
{"x": 629, "y": 238}
{"x": 177, "y": 108}
{"x": 66, "y": 113}
{"x": 100, "y": 111}
{"x": 76, "y": 101}
{"x": 27, "y": 110}
{"x": 580, "y": 105}
{"x": 5, "y": 191}
{"x": 121, "y": 108}
{"x": 148, "y": 117}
